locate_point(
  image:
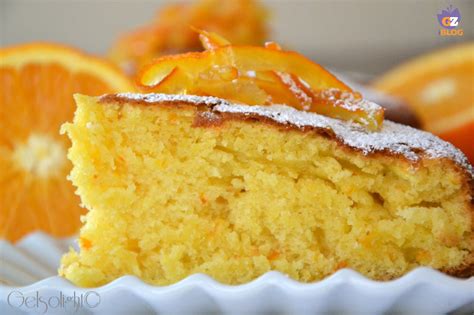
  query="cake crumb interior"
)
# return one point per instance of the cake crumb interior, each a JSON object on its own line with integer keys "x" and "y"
{"x": 168, "y": 199}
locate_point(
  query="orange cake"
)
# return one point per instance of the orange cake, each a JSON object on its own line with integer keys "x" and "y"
{"x": 180, "y": 184}
{"x": 237, "y": 185}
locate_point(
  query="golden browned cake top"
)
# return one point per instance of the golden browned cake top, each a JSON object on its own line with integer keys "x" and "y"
{"x": 392, "y": 139}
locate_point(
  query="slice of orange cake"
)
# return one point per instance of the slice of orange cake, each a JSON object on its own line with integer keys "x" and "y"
{"x": 177, "y": 185}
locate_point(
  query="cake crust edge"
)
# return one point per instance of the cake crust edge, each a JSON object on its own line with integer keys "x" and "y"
{"x": 209, "y": 115}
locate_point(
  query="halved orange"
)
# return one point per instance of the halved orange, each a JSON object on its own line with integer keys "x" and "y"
{"x": 440, "y": 88}
{"x": 37, "y": 82}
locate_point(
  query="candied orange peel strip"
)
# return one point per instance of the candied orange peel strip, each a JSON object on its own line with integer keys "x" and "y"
{"x": 258, "y": 76}
{"x": 210, "y": 40}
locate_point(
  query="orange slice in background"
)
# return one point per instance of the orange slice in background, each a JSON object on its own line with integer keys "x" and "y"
{"x": 240, "y": 21}
{"x": 440, "y": 88}
{"x": 37, "y": 82}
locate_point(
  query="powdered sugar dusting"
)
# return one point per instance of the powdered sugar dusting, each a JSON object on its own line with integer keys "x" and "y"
{"x": 348, "y": 101}
{"x": 395, "y": 138}
{"x": 291, "y": 84}
{"x": 171, "y": 98}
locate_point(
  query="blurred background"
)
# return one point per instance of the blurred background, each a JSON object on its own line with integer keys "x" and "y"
{"x": 367, "y": 43}
{"x": 366, "y": 36}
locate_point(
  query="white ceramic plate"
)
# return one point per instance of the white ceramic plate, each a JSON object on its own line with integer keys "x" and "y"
{"x": 28, "y": 284}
